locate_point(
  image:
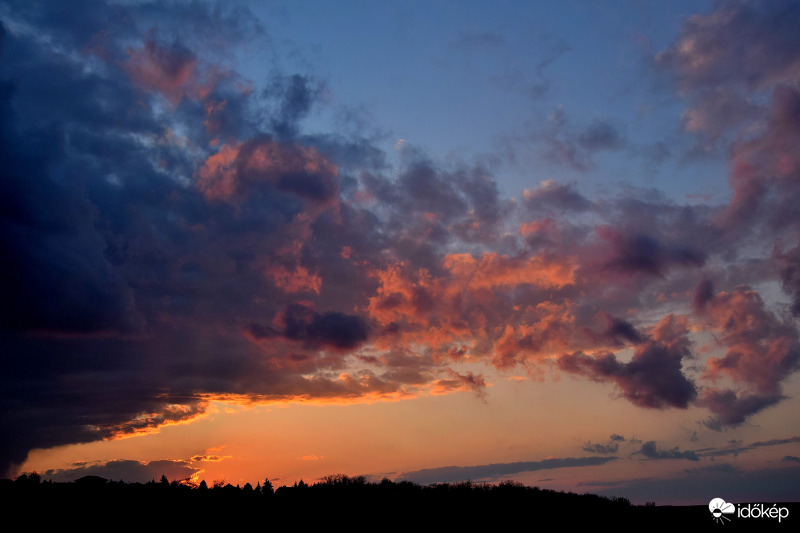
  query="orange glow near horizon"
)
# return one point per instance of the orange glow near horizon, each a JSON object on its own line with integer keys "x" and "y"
{"x": 244, "y": 442}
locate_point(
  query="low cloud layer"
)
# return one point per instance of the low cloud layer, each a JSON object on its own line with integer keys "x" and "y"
{"x": 126, "y": 470}
{"x": 738, "y": 447}
{"x": 171, "y": 235}
{"x": 695, "y": 484}
{"x": 452, "y": 474}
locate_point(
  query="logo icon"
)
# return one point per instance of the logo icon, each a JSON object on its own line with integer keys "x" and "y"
{"x": 719, "y": 508}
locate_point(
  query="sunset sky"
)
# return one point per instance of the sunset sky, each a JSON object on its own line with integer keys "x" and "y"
{"x": 553, "y": 242}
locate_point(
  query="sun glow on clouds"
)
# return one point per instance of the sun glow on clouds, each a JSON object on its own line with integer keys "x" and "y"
{"x": 235, "y": 170}
{"x": 151, "y": 423}
{"x": 182, "y": 253}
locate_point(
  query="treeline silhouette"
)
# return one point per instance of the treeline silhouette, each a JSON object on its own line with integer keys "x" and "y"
{"x": 360, "y": 503}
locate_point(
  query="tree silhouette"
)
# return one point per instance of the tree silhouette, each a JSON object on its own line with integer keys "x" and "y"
{"x": 267, "y": 488}
{"x": 464, "y": 505}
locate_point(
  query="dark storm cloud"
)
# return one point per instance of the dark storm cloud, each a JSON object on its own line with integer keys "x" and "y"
{"x": 334, "y": 328}
{"x": 123, "y": 280}
{"x": 450, "y": 474}
{"x": 62, "y": 390}
{"x": 49, "y": 226}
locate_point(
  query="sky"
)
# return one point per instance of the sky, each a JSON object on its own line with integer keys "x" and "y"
{"x": 557, "y": 243}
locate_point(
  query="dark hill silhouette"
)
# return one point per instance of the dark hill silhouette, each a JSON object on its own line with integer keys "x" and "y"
{"x": 334, "y": 499}
{"x": 91, "y": 481}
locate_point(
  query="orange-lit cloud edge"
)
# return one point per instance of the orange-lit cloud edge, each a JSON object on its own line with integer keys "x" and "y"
{"x": 469, "y": 310}
{"x": 210, "y": 404}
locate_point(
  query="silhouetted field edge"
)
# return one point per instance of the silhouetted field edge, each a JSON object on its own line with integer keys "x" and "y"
{"x": 393, "y": 504}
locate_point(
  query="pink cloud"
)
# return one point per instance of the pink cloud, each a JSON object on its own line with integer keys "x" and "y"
{"x": 171, "y": 70}
{"x": 237, "y": 169}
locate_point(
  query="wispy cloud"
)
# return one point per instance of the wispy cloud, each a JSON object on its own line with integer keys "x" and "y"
{"x": 737, "y": 447}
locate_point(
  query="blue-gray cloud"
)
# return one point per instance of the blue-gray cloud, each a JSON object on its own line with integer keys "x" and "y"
{"x": 650, "y": 450}
{"x": 611, "y": 447}
{"x": 125, "y": 470}
{"x": 448, "y": 474}
{"x": 699, "y": 485}
{"x": 738, "y": 447}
